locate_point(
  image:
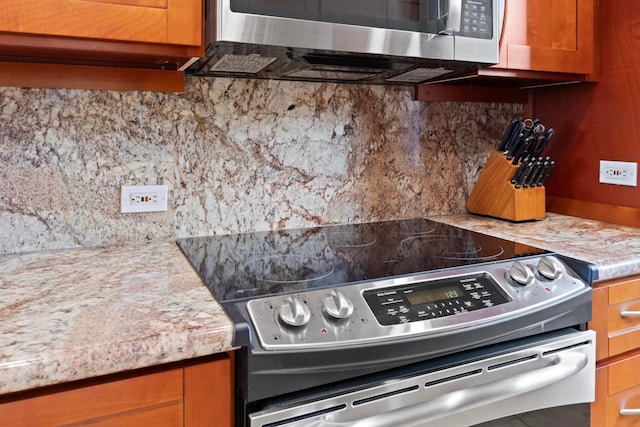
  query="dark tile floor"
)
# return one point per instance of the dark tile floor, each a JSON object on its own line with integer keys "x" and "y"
{"x": 565, "y": 416}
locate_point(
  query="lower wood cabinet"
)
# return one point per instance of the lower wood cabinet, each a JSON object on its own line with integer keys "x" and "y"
{"x": 616, "y": 320}
{"x": 190, "y": 394}
{"x": 618, "y": 393}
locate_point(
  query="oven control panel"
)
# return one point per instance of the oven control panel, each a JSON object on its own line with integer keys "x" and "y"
{"x": 433, "y": 299}
{"x": 427, "y": 303}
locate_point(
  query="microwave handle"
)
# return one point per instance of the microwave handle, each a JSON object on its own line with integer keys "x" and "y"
{"x": 565, "y": 365}
{"x": 454, "y": 17}
{"x": 501, "y": 12}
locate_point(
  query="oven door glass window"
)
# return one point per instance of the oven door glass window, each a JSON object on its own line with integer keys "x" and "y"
{"x": 410, "y": 15}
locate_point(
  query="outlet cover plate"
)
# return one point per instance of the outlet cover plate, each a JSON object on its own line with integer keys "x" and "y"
{"x": 143, "y": 198}
{"x": 619, "y": 173}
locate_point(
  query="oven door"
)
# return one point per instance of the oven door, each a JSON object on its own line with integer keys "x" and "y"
{"x": 553, "y": 369}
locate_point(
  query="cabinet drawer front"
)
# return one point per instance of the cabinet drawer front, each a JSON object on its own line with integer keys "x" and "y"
{"x": 159, "y": 390}
{"x": 624, "y": 375}
{"x": 624, "y": 327}
{"x": 623, "y": 291}
{"x": 626, "y": 400}
{"x": 616, "y": 317}
{"x": 617, "y": 389}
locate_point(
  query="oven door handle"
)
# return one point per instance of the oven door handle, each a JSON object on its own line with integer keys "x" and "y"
{"x": 564, "y": 365}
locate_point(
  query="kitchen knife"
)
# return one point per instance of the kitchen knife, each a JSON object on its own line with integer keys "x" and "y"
{"x": 524, "y": 174}
{"x": 529, "y": 125}
{"x": 545, "y": 174}
{"x": 534, "y": 171}
{"x": 508, "y": 134}
{"x": 516, "y": 147}
{"x": 542, "y": 142}
{"x": 524, "y": 149}
{"x": 515, "y": 136}
{"x": 519, "y": 172}
{"x": 533, "y": 181}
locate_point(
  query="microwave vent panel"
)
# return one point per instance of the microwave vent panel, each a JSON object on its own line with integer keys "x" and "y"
{"x": 419, "y": 75}
{"x": 252, "y": 63}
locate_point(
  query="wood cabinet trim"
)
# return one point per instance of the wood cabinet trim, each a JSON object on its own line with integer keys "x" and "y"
{"x": 209, "y": 393}
{"x": 89, "y": 77}
{"x": 600, "y": 306}
{"x": 616, "y": 214}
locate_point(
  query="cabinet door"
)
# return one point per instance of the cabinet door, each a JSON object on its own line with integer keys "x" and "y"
{"x": 154, "y": 399}
{"x": 153, "y": 21}
{"x": 617, "y": 401}
{"x": 549, "y": 35}
{"x": 199, "y": 394}
{"x": 616, "y": 316}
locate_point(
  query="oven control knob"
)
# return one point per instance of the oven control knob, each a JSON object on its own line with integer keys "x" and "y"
{"x": 337, "y": 305}
{"x": 550, "y": 268}
{"x": 294, "y": 312}
{"x": 521, "y": 273}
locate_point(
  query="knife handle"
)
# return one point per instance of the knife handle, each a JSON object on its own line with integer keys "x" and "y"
{"x": 545, "y": 174}
{"x": 515, "y": 136}
{"x": 530, "y": 178}
{"x": 533, "y": 182}
{"x": 507, "y": 135}
{"x": 542, "y": 142}
{"x": 523, "y": 176}
{"x": 516, "y": 176}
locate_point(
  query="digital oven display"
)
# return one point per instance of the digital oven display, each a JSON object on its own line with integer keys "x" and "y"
{"x": 433, "y": 299}
{"x": 431, "y": 295}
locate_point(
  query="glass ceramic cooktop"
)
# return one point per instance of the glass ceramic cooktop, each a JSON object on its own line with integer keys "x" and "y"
{"x": 249, "y": 265}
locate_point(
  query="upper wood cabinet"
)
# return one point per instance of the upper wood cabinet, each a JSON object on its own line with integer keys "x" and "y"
{"x": 549, "y": 36}
{"x": 543, "y": 42}
{"x": 153, "y": 21}
{"x": 100, "y": 44}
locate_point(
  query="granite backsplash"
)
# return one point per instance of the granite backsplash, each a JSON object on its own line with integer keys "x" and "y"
{"x": 237, "y": 156}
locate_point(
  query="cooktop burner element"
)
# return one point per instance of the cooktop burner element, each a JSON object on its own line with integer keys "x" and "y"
{"x": 248, "y": 265}
{"x": 289, "y": 269}
{"x": 453, "y": 248}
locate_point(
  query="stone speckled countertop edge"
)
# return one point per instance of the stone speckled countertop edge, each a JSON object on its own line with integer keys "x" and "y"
{"x": 613, "y": 249}
{"x": 80, "y": 313}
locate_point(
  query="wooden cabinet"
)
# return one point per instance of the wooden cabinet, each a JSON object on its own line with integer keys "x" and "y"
{"x": 549, "y": 36}
{"x": 190, "y": 395}
{"x": 152, "y": 21}
{"x": 158, "y": 35}
{"x": 543, "y": 42}
{"x": 617, "y": 392}
{"x": 616, "y": 319}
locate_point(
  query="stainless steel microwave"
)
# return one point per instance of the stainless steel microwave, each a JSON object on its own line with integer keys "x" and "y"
{"x": 368, "y": 41}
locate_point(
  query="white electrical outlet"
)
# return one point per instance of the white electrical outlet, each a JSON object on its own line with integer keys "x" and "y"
{"x": 619, "y": 173}
{"x": 143, "y": 198}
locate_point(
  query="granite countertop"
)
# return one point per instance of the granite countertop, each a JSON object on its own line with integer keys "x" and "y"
{"x": 613, "y": 249}
{"x": 74, "y": 314}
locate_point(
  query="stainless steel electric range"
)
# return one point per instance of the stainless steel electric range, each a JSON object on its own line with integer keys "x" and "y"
{"x": 398, "y": 323}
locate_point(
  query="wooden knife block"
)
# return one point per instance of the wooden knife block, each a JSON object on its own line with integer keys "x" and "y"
{"x": 494, "y": 195}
